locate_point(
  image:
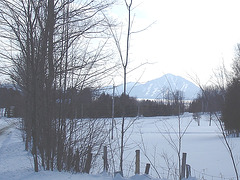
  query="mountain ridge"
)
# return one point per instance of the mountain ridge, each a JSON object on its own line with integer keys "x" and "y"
{"x": 159, "y": 87}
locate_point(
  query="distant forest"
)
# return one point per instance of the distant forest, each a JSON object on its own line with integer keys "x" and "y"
{"x": 89, "y": 103}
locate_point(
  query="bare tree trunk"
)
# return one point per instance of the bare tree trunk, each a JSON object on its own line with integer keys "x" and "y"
{"x": 124, "y": 64}
{"x": 179, "y": 146}
{"x": 228, "y": 146}
{"x": 34, "y": 126}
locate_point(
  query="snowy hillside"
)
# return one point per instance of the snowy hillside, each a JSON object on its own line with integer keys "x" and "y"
{"x": 158, "y": 88}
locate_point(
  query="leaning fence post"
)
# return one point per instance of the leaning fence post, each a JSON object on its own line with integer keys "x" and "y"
{"x": 147, "y": 168}
{"x": 105, "y": 163}
{"x": 184, "y": 158}
{"x": 188, "y": 171}
{"x": 137, "y": 168}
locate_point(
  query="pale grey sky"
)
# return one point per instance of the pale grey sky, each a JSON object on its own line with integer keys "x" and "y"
{"x": 188, "y": 37}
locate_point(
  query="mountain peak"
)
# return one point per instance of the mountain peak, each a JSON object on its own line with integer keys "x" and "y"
{"x": 157, "y": 88}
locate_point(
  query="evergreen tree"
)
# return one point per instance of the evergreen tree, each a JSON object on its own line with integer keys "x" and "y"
{"x": 231, "y": 113}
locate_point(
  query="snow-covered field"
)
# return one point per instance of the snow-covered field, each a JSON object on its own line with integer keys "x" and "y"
{"x": 154, "y": 136}
{"x": 206, "y": 152}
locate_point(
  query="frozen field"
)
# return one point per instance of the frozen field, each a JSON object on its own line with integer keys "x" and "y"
{"x": 206, "y": 152}
{"x": 154, "y": 136}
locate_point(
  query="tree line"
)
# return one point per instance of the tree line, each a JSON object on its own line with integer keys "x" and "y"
{"x": 92, "y": 104}
{"x": 222, "y": 97}
{"x": 10, "y": 97}
{"x": 210, "y": 101}
{"x": 89, "y": 103}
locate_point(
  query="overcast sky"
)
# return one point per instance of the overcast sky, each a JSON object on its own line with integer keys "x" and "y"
{"x": 188, "y": 37}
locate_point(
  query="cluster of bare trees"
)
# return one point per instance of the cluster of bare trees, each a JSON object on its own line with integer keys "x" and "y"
{"x": 51, "y": 48}
{"x": 47, "y": 46}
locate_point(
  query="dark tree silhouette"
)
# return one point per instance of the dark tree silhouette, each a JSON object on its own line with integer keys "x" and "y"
{"x": 231, "y": 113}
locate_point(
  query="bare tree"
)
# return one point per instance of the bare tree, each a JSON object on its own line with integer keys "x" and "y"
{"x": 39, "y": 38}
{"x": 124, "y": 62}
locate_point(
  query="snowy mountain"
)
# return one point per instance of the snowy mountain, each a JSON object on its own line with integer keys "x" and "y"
{"x": 159, "y": 88}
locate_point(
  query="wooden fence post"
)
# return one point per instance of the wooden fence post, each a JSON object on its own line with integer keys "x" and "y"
{"x": 188, "y": 171}
{"x": 137, "y": 168}
{"x": 147, "y": 168}
{"x": 184, "y": 158}
{"x": 105, "y": 163}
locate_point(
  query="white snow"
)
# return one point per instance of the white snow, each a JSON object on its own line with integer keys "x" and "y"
{"x": 203, "y": 144}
